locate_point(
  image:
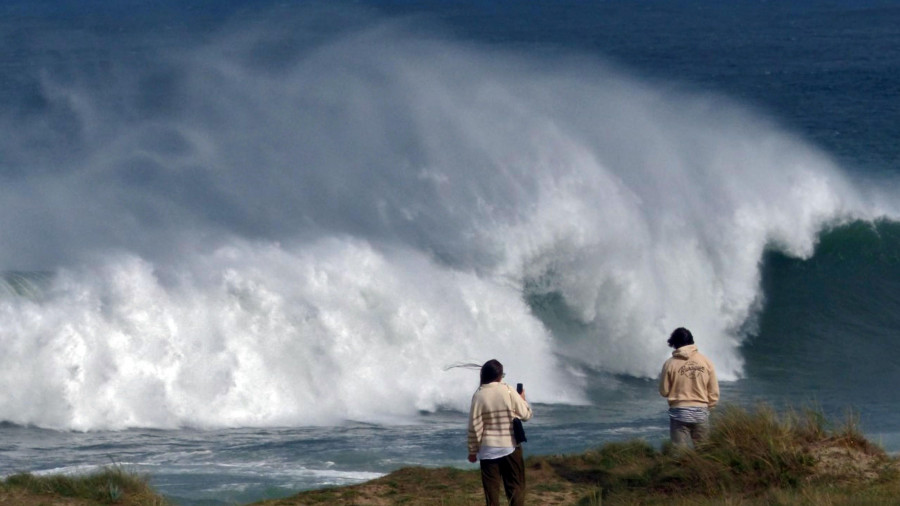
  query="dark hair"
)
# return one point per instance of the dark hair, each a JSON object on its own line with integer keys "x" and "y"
{"x": 491, "y": 371}
{"x": 680, "y": 337}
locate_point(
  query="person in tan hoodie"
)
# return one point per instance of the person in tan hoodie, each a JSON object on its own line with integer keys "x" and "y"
{"x": 688, "y": 381}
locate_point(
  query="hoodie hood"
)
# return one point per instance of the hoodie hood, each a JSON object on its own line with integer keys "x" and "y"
{"x": 685, "y": 352}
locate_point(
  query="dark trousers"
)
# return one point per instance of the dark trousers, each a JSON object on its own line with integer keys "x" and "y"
{"x": 508, "y": 471}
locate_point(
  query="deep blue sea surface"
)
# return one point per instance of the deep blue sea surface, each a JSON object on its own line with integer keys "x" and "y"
{"x": 245, "y": 243}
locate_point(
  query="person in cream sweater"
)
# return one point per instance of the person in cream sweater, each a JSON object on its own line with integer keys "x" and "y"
{"x": 491, "y": 439}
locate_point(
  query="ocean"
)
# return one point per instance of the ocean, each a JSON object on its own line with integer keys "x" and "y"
{"x": 246, "y": 244}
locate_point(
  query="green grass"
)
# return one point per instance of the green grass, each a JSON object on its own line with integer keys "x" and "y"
{"x": 112, "y": 485}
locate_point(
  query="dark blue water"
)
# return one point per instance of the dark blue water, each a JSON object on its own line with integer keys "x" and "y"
{"x": 825, "y": 68}
{"x": 77, "y": 77}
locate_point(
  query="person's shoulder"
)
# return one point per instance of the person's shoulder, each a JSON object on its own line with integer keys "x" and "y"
{"x": 701, "y": 356}
{"x": 479, "y": 396}
{"x": 496, "y": 385}
{"x": 487, "y": 387}
{"x": 670, "y": 365}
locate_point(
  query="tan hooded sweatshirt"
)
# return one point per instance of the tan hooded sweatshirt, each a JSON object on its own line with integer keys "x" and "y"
{"x": 689, "y": 379}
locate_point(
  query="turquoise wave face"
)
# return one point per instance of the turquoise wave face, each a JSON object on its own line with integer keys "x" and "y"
{"x": 829, "y": 333}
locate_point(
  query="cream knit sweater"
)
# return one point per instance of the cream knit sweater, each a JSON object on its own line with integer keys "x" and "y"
{"x": 494, "y": 406}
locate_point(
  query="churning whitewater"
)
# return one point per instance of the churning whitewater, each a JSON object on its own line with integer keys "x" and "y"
{"x": 236, "y": 236}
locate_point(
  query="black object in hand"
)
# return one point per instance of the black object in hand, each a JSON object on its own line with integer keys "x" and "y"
{"x": 519, "y": 388}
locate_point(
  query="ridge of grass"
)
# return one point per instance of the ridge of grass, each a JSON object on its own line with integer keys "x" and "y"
{"x": 751, "y": 457}
{"x": 111, "y": 485}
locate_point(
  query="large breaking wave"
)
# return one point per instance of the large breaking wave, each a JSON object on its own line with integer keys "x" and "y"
{"x": 282, "y": 225}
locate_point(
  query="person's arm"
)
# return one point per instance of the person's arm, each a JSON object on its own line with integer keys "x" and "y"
{"x": 476, "y": 430}
{"x": 712, "y": 386}
{"x": 665, "y": 384}
{"x": 521, "y": 408}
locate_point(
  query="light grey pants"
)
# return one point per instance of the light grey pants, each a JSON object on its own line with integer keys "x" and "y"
{"x": 683, "y": 433}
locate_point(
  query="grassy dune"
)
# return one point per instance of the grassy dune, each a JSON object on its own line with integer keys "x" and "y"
{"x": 752, "y": 457}
{"x": 112, "y": 485}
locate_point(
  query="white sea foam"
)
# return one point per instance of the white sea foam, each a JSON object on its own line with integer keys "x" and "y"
{"x": 251, "y": 242}
{"x": 261, "y": 335}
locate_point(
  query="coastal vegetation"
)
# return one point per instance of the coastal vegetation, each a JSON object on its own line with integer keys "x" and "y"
{"x": 752, "y": 457}
{"x": 112, "y": 485}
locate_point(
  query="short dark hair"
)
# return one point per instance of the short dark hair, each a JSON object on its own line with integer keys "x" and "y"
{"x": 491, "y": 371}
{"x": 680, "y": 337}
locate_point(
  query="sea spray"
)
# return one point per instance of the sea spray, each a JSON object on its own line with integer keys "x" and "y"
{"x": 257, "y": 238}
{"x": 261, "y": 335}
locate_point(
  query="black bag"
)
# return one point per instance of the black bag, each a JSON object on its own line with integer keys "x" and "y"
{"x": 519, "y": 431}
